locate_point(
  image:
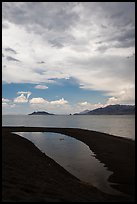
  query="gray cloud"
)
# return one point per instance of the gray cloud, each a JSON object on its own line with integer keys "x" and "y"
{"x": 9, "y": 58}
{"x": 103, "y": 26}
{"x": 103, "y": 48}
{"x": 54, "y": 21}
{"x": 41, "y": 62}
{"x": 99, "y": 42}
{"x": 8, "y": 49}
{"x": 122, "y": 39}
{"x": 56, "y": 43}
{"x": 116, "y": 20}
{"x": 112, "y": 68}
{"x": 4, "y": 25}
{"x": 131, "y": 56}
{"x": 48, "y": 15}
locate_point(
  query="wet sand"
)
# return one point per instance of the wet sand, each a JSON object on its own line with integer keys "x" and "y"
{"x": 29, "y": 175}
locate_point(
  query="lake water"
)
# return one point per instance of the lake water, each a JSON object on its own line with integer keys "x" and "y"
{"x": 75, "y": 156}
{"x": 119, "y": 125}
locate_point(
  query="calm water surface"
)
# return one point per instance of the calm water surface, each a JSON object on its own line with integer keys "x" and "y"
{"x": 75, "y": 156}
{"x": 119, "y": 125}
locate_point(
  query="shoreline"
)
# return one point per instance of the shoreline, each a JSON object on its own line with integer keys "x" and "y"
{"x": 117, "y": 153}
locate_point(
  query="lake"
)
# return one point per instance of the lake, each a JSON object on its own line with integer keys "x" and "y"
{"x": 118, "y": 125}
{"x": 74, "y": 156}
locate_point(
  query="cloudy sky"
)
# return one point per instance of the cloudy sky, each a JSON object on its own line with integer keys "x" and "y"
{"x": 67, "y": 57}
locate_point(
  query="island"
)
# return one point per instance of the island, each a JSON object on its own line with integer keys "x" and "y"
{"x": 40, "y": 113}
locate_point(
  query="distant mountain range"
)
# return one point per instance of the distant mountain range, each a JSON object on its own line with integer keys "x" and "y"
{"x": 111, "y": 110}
{"x": 40, "y": 113}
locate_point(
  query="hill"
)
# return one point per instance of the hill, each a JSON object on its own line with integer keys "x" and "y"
{"x": 111, "y": 110}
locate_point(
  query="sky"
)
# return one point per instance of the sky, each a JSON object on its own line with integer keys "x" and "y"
{"x": 67, "y": 57}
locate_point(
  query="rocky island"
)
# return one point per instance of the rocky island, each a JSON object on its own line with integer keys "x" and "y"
{"x": 40, "y": 113}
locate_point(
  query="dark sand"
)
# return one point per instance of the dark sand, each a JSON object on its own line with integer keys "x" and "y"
{"x": 29, "y": 175}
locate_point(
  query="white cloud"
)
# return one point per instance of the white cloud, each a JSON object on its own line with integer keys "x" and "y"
{"x": 41, "y": 87}
{"x": 5, "y": 100}
{"x": 7, "y": 104}
{"x": 23, "y": 92}
{"x": 84, "y": 103}
{"x": 112, "y": 101}
{"x": 81, "y": 106}
{"x": 43, "y": 101}
{"x": 125, "y": 96}
{"x": 37, "y": 100}
{"x": 21, "y": 99}
{"x": 59, "y": 102}
{"x": 28, "y": 93}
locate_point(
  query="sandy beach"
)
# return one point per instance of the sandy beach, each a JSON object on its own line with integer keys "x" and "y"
{"x": 28, "y": 175}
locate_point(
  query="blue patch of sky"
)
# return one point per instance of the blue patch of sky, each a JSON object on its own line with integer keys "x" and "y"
{"x": 63, "y": 88}
{"x": 10, "y": 90}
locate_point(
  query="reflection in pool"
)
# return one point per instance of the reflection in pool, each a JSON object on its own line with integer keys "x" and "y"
{"x": 75, "y": 156}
